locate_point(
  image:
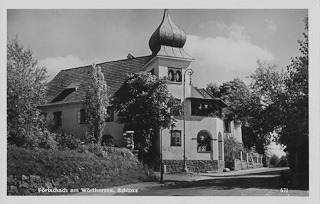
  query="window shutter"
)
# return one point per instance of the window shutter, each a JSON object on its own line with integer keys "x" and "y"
{"x": 78, "y": 116}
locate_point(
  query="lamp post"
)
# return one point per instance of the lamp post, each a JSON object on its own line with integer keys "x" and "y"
{"x": 188, "y": 71}
{"x": 161, "y": 159}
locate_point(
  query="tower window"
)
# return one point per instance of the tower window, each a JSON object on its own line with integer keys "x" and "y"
{"x": 171, "y": 75}
{"x": 178, "y": 76}
{"x": 174, "y": 75}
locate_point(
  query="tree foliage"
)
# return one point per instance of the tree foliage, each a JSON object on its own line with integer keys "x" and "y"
{"x": 237, "y": 96}
{"x": 274, "y": 160}
{"x": 285, "y": 97}
{"x": 231, "y": 147}
{"x": 275, "y": 101}
{"x": 244, "y": 106}
{"x": 26, "y": 89}
{"x": 143, "y": 104}
{"x": 96, "y": 103}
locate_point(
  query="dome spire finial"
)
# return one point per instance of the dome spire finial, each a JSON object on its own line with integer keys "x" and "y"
{"x": 168, "y": 35}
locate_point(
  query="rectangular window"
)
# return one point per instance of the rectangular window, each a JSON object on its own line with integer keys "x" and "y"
{"x": 176, "y": 138}
{"x": 57, "y": 118}
{"x": 110, "y": 112}
{"x": 83, "y": 116}
{"x": 152, "y": 72}
{"x": 227, "y": 126}
{"x": 205, "y": 109}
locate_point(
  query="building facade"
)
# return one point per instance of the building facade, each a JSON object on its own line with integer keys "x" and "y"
{"x": 197, "y": 138}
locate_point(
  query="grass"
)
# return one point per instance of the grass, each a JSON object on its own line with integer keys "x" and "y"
{"x": 116, "y": 167}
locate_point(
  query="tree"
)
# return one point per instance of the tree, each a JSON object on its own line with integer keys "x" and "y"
{"x": 283, "y": 162}
{"x": 231, "y": 147}
{"x": 295, "y": 129}
{"x": 143, "y": 103}
{"x": 236, "y": 94}
{"x": 96, "y": 103}
{"x": 266, "y": 84}
{"x": 274, "y": 160}
{"x": 244, "y": 106}
{"x": 26, "y": 90}
{"x": 285, "y": 98}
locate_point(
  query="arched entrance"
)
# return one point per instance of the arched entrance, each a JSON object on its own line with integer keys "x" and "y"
{"x": 204, "y": 141}
{"x": 108, "y": 140}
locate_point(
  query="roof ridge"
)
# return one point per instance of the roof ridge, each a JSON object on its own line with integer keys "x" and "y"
{"x": 209, "y": 93}
{"x": 106, "y": 62}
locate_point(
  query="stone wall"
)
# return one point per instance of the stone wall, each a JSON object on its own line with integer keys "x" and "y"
{"x": 26, "y": 185}
{"x": 194, "y": 165}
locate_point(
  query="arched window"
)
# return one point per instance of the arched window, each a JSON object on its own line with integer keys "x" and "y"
{"x": 171, "y": 75}
{"x": 178, "y": 76}
{"x": 203, "y": 141}
{"x": 175, "y": 74}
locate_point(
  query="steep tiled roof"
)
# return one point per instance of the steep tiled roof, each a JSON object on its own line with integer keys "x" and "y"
{"x": 200, "y": 93}
{"x": 114, "y": 74}
{"x": 203, "y": 94}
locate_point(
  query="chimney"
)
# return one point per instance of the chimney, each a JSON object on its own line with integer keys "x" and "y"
{"x": 130, "y": 56}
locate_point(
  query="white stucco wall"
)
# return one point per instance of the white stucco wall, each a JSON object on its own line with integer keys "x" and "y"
{"x": 71, "y": 125}
{"x": 237, "y": 131}
{"x": 194, "y": 124}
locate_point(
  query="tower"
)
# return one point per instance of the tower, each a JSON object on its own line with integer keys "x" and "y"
{"x": 168, "y": 57}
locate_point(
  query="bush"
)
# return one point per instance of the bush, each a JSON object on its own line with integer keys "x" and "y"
{"x": 47, "y": 140}
{"x": 283, "y": 162}
{"x": 88, "y": 138}
{"x": 37, "y": 138}
{"x": 231, "y": 146}
{"x": 274, "y": 160}
{"x": 105, "y": 151}
{"x": 92, "y": 148}
{"x": 67, "y": 141}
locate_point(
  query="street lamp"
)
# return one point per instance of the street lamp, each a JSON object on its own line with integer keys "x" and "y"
{"x": 161, "y": 159}
{"x": 188, "y": 71}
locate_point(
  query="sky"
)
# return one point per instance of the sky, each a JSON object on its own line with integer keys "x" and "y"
{"x": 225, "y": 43}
